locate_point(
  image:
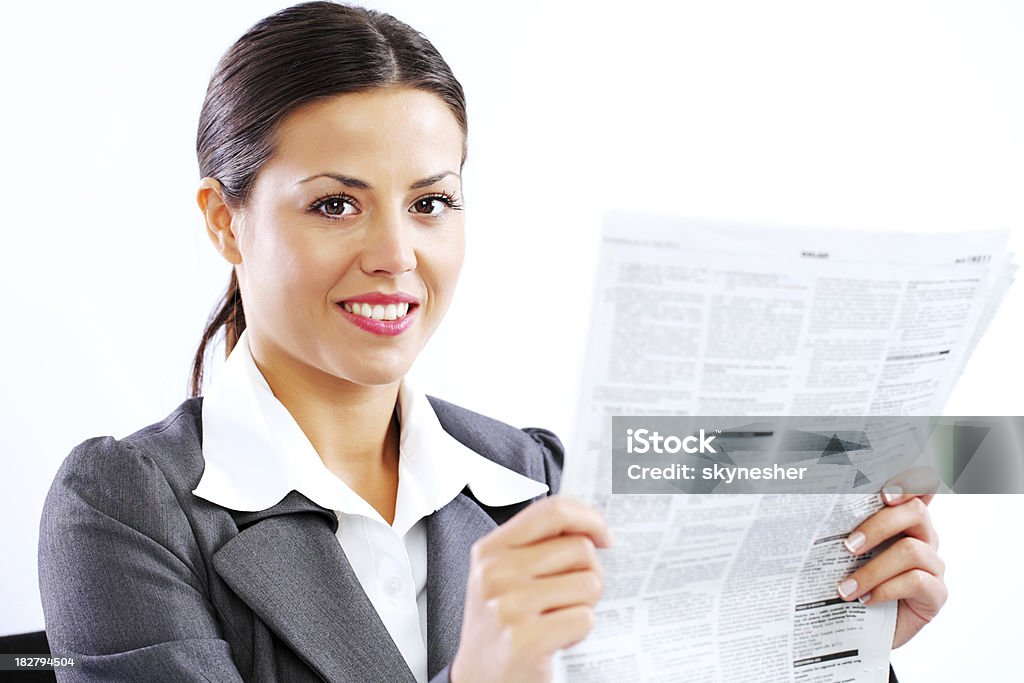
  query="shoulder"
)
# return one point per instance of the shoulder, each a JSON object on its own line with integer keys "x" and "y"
{"x": 172, "y": 445}
{"x": 532, "y": 451}
{"x": 120, "y": 521}
{"x": 159, "y": 463}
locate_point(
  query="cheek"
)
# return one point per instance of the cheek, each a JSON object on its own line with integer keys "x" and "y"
{"x": 447, "y": 263}
{"x": 438, "y": 266}
{"x": 290, "y": 273}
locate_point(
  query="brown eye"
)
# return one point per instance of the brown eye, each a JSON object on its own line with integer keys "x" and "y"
{"x": 426, "y": 205}
{"x": 435, "y": 204}
{"x": 334, "y": 206}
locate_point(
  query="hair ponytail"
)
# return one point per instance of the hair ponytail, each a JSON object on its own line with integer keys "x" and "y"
{"x": 229, "y": 315}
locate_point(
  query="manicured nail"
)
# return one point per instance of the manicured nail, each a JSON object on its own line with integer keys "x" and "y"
{"x": 864, "y": 598}
{"x": 892, "y": 493}
{"x": 847, "y": 587}
{"x": 854, "y": 541}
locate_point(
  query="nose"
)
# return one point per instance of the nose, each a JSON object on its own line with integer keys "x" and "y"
{"x": 388, "y": 248}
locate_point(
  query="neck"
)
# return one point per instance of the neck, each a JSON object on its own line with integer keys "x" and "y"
{"x": 353, "y": 428}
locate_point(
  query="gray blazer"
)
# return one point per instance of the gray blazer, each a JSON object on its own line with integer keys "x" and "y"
{"x": 143, "y": 581}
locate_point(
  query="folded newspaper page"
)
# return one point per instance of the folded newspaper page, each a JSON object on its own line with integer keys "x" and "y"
{"x": 701, "y": 318}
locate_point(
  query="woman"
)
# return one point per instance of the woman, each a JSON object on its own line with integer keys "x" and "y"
{"x": 314, "y": 515}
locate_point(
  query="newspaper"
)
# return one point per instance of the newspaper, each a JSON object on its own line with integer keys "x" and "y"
{"x": 732, "y": 588}
{"x": 695, "y": 317}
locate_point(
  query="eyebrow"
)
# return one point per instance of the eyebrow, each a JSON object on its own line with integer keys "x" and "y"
{"x": 349, "y": 181}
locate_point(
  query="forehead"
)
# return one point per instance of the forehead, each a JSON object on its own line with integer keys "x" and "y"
{"x": 401, "y": 131}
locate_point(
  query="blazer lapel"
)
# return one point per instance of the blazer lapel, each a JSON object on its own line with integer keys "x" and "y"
{"x": 288, "y": 566}
{"x": 451, "y": 532}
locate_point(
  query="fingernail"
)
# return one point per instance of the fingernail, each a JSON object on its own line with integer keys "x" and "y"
{"x": 847, "y": 587}
{"x": 892, "y": 493}
{"x": 854, "y": 541}
{"x": 864, "y": 598}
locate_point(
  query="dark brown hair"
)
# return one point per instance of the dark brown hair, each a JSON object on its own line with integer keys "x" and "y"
{"x": 307, "y": 52}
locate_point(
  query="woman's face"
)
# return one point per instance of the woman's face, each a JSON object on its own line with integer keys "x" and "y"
{"x": 352, "y": 239}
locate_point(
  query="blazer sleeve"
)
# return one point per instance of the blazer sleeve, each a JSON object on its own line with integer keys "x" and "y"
{"x": 121, "y": 575}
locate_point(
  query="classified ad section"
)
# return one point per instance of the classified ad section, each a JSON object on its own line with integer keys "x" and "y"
{"x": 733, "y": 588}
{"x": 833, "y": 639}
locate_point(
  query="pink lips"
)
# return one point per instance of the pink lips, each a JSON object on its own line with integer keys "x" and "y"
{"x": 388, "y": 328}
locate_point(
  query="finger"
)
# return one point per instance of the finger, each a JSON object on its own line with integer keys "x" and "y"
{"x": 927, "y": 591}
{"x": 902, "y": 556}
{"x": 922, "y": 482}
{"x": 550, "y": 593}
{"x": 910, "y": 518}
{"x": 558, "y": 555}
{"x": 553, "y": 516}
{"x": 563, "y": 628}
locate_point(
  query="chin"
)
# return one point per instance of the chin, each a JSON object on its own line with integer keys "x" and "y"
{"x": 374, "y": 379}
{"x": 356, "y": 362}
{"x": 369, "y": 374}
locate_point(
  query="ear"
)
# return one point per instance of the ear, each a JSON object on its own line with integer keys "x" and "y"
{"x": 220, "y": 219}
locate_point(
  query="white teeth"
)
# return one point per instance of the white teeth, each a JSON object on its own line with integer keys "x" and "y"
{"x": 377, "y": 312}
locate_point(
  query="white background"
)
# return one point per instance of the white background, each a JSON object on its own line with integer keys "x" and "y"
{"x": 869, "y": 115}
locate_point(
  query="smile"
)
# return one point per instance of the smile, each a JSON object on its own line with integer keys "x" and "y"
{"x": 378, "y": 311}
{"x": 385, "y": 319}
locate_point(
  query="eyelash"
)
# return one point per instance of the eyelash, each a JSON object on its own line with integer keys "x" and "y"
{"x": 445, "y": 197}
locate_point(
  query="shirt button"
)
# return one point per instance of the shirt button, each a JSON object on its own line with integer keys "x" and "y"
{"x": 393, "y": 585}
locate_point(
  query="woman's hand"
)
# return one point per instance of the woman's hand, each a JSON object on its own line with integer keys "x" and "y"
{"x": 910, "y": 570}
{"x": 533, "y": 584}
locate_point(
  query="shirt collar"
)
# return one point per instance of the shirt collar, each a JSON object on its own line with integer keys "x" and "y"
{"x": 255, "y": 454}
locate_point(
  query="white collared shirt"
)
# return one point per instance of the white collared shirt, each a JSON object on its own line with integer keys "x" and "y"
{"x": 256, "y": 454}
